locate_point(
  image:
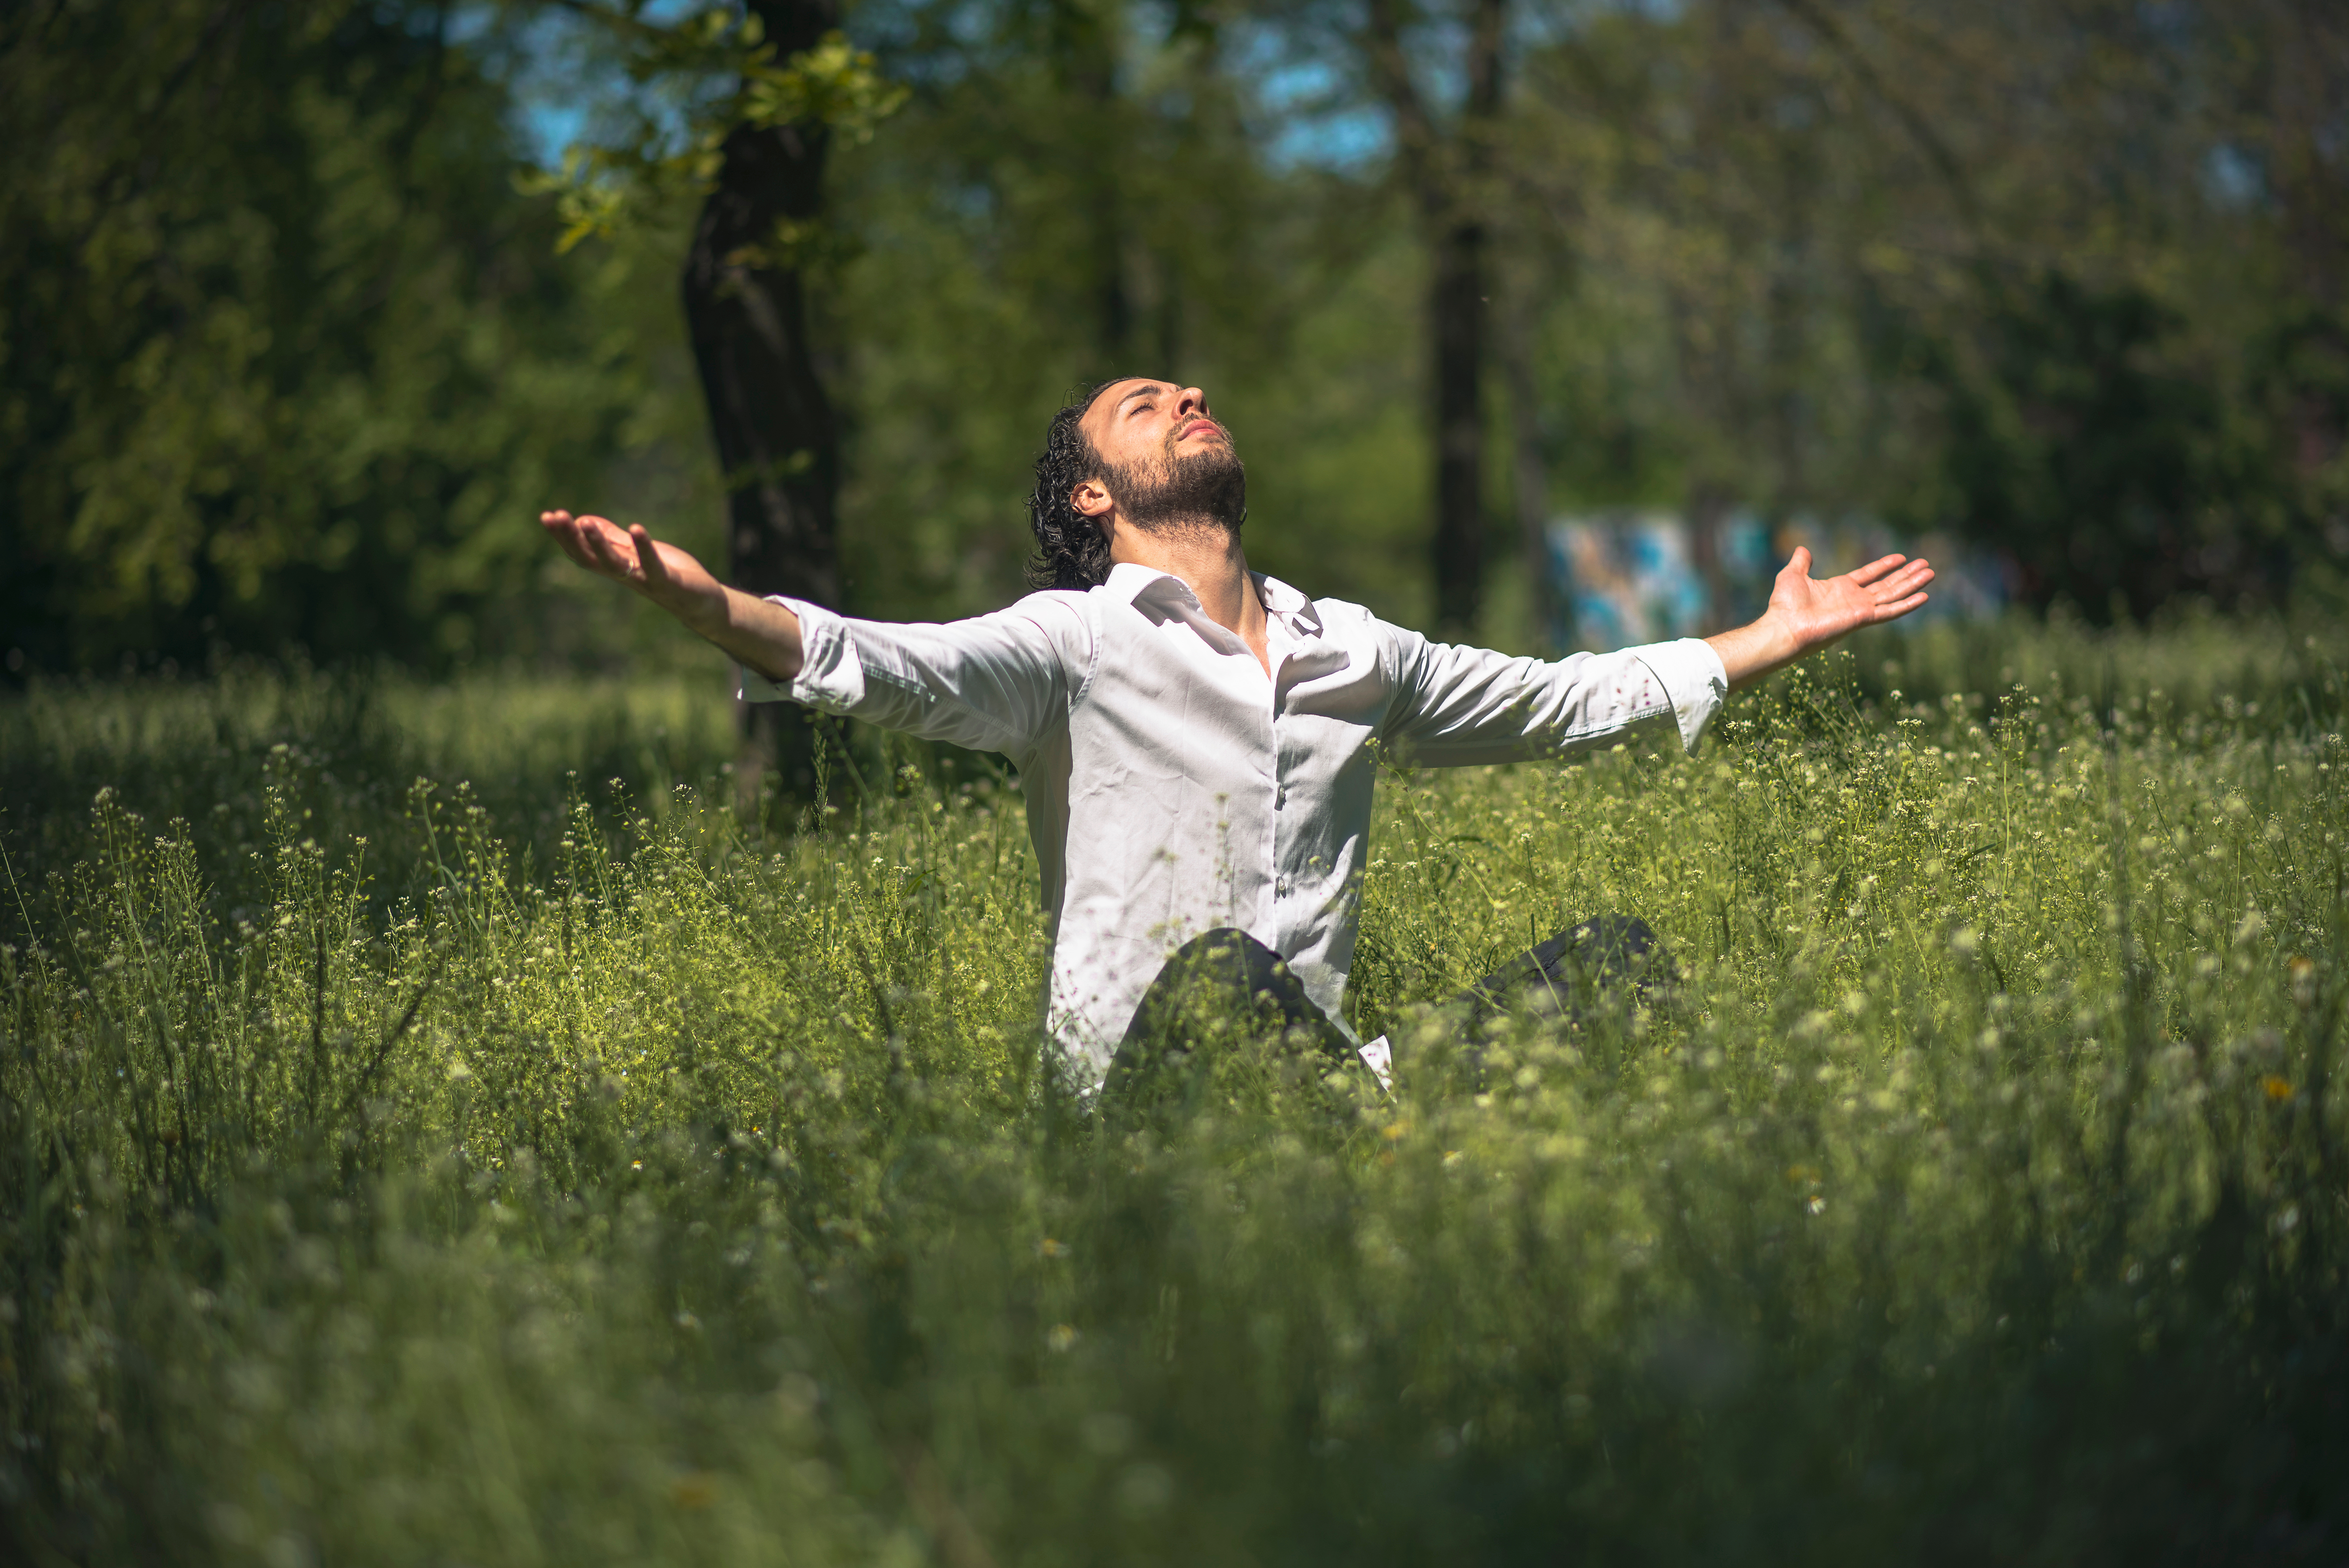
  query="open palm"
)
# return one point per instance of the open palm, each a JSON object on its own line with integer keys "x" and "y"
{"x": 1814, "y": 611}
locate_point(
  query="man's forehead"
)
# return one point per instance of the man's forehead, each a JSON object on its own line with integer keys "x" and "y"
{"x": 1117, "y": 392}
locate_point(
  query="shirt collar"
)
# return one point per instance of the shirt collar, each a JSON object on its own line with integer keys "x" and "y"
{"x": 1130, "y": 583}
{"x": 1289, "y": 607}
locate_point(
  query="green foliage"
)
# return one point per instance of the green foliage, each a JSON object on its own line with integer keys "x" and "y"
{"x": 341, "y": 750}
{"x": 1071, "y": 193}
{"x": 283, "y": 361}
{"x": 2105, "y": 467}
{"x": 697, "y": 80}
{"x": 673, "y": 1191}
{"x": 286, "y": 358}
{"x": 833, "y": 84}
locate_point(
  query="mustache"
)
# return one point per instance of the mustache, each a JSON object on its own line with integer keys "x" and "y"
{"x": 1174, "y": 441}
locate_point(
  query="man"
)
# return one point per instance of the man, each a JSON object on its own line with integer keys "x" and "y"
{"x": 1198, "y": 742}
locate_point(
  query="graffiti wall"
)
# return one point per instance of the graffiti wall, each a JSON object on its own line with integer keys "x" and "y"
{"x": 1625, "y": 577}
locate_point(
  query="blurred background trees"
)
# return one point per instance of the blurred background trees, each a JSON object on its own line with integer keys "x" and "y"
{"x": 290, "y": 354}
{"x": 283, "y": 355}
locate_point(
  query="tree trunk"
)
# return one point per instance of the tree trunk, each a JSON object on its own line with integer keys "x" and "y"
{"x": 1447, "y": 175}
{"x": 1085, "y": 59}
{"x": 1553, "y": 625}
{"x": 778, "y": 443}
{"x": 1456, "y": 315}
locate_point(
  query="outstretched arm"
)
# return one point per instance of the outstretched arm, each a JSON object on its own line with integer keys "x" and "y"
{"x": 1459, "y": 706}
{"x": 760, "y": 634}
{"x": 1807, "y": 614}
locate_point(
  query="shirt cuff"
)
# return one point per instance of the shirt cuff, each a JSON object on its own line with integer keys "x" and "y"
{"x": 831, "y": 678}
{"x": 1693, "y": 677}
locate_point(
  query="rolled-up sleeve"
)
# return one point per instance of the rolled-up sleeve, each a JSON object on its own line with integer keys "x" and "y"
{"x": 1459, "y": 706}
{"x": 992, "y": 683}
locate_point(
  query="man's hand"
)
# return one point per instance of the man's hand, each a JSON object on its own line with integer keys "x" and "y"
{"x": 764, "y": 636}
{"x": 1806, "y": 615}
{"x": 662, "y": 573}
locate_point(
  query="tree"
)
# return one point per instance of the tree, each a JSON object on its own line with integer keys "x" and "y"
{"x": 1071, "y": 192}
{"x": 1448, "y": 169}
{"x": 2149, "y": 221}
{"x": 765, "y": 92}
{"x": 280, "y": 356}
{"x": 745, "y": 292}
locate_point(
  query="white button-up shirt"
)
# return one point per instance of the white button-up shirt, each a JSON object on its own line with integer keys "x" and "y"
{"x": 1173, "y": 786}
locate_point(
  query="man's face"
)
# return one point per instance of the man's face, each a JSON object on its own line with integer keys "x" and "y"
{"x": 1165, "y": 462}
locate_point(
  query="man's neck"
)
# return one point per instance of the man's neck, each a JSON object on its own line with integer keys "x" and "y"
{"x": 1210, "y": 561}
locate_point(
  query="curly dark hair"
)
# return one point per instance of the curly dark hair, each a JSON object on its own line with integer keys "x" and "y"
{"x": 1071, "y": 551}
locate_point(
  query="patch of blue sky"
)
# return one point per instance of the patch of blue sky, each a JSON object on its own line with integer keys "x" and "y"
{"x": 1341, "y": 141}
{"x": 905, "y": 35}
{"x": 1313, "y": 123}
{"x": 565, "y": 80}
{"x": 1536, "y": 27}
{"x": 2234, "y": 176}
{"x": 1316, "y": 114}
{"x": 1309, "y": 114}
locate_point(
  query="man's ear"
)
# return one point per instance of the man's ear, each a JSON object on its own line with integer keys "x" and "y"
{"x": 1091, "y": 499}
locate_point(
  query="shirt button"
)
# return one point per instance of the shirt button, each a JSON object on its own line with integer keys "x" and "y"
{"x": 1281, "y": 887}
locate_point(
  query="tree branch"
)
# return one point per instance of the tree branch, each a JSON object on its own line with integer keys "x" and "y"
{"x": 1831, "y": 32}
{"x": 1415, "y": 136}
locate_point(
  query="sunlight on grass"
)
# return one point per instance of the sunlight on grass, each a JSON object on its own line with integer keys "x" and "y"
{"x": 552, "y": 1168}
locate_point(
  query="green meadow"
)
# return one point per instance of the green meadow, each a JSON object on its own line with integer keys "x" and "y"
{"x": 450, "y": 1124}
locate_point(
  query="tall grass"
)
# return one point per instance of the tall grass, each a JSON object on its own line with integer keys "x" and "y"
{"x": 555, "y": 1171}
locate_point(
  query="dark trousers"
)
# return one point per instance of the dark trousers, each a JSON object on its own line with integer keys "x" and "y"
{"x": 1225, "y": 1001}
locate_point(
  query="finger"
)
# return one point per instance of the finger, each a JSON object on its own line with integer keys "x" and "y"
{"x": 1897, "y": 583}
{"x": 584, "y": 536}
{"x": 607, "y": 545}
{"x": 1898, "y": 608}
{"x": 1875, "y": 569}
{"x": 648, "y": 553}
{"x": 566, "y": 533}
{"x": 1906, "y": 582}
{"x": 1798, "y": 563}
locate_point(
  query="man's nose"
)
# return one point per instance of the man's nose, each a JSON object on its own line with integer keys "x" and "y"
{"x": 1189, "y": 401}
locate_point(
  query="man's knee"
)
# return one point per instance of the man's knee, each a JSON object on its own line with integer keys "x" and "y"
{"x": 1221, "y": 992}
{"x": 1226, "y": 957}
{"x": 1229, "y": 973}
{"x": 1613, "y": 944}
{"x": 1564, "y": 974}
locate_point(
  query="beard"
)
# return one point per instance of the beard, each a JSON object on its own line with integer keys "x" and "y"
{"x": 1177, "y": 492}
